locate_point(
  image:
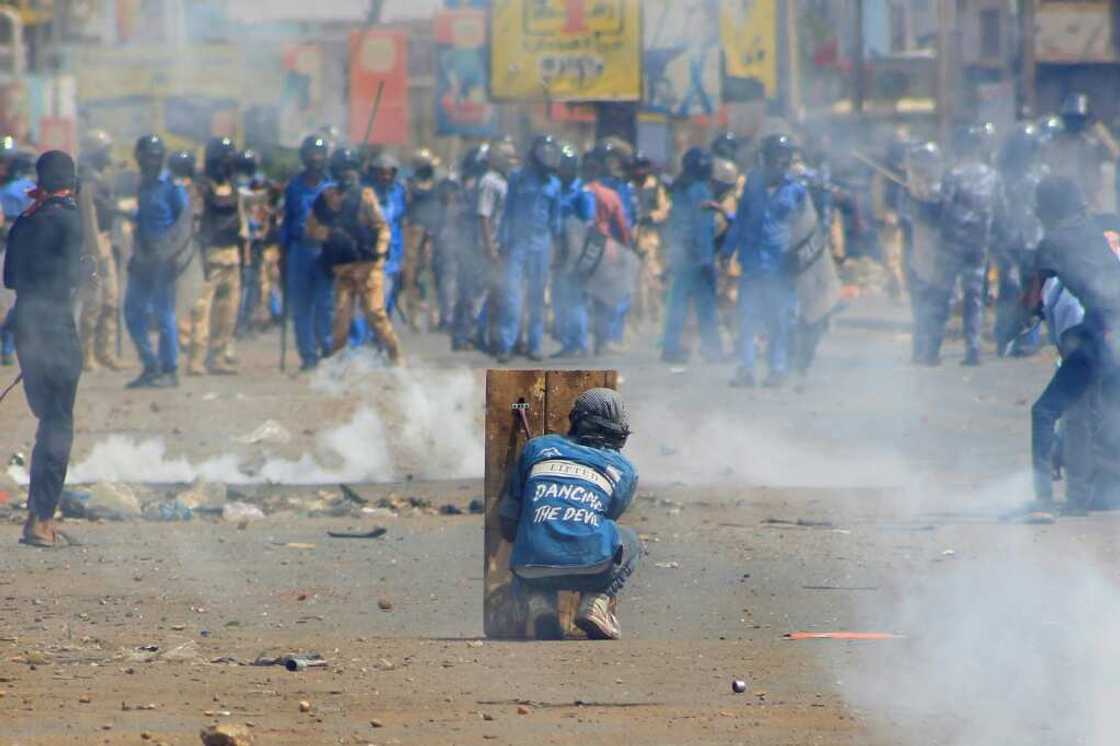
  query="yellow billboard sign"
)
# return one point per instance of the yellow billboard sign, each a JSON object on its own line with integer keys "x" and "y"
{"x": 566, "y": 50}
{"x": 749, "y": 31}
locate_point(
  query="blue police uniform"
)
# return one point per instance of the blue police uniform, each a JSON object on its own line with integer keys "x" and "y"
{"x": 530, "y": 222}
{"x": 761, "y": 233}
{"x": 970, "y": 201}
{"x": 569, "y": 298}
{"x": 151, "y": 286}
{"x": 1015, "y": 236}
{"x": 14, "y": 199}
{"x": 394, "y": 206}
{"x": 566, "y": 498}
{"x": 308, "y": 283}
{"x": 691, "y": 230}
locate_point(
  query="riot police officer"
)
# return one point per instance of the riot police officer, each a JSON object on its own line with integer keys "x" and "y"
{"x": 99, "y": 322}
{"x": 346, "y": 219}
{"x": 163, "y": 228}
{"x": 692, "y": 259}
{"x": 530, "y": 223}
{"x": 308, "y": 286}
{"x": 970, "y": 203}
{"x": 1016, "y": 234}
{"x": 222, "y": 244}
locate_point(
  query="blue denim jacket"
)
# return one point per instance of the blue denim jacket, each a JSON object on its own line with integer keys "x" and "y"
{"x": 691, "y": 227}
{"x": 298, "y": 199}
{"x": 158, "y": 205}
{"x": 532, "y": 216}
{"x": 566, "y": 498}
{"x": 762, "y": 227}
{"x": 394, "y": 206}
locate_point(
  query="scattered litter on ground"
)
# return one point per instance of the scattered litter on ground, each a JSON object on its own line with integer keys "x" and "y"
{"x": 450, "y": 509}
{"x": 373, "y": 533}
{"x": 840, "y": 587}
{"x": 738, "y": 686}
{"x": 294, "y": 661}
{"x": 236, "y": 512}
{"x": 476, "y": 507}
{"x": 349, "y": 493}
{"x": 168, "y": 510}
{"x": 269, "y": 431}
{"x": 842, "y": 636}
{"x": 667, "y": 565}
{"x": 800, "y": 523}
{"x": 104, "y": 501}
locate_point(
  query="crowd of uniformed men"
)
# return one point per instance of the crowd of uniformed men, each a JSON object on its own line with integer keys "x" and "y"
{"x": 504, "y": 253}
{"x": 734, "y": 241}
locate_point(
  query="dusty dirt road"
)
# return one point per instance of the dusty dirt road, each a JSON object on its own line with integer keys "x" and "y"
{"x": 867, "y": 502}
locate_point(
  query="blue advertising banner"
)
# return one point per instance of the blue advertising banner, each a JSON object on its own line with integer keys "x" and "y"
{"x": 462, "y": 105}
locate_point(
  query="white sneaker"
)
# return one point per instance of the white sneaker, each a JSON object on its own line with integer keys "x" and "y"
{"x": 596, "y": 619}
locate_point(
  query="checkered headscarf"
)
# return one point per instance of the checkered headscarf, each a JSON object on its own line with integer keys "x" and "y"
{"x": 599, "y": 419}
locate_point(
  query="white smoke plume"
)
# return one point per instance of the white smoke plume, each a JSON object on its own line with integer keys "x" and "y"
{"x": 414, "y": 423}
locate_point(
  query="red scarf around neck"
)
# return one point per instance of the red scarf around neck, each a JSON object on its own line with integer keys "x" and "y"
{"x": 40, "y": 198}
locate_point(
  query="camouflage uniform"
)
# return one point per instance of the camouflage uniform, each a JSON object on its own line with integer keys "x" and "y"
{"x": 970, "y": 202}
{"x": 214, "y": 315}
{"x": 99, "y": 323}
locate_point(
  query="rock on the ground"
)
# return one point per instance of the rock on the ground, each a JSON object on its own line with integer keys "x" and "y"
{"x": 226, "y": 735}
{"x": 203, "y": 494}
{"x": 112, "y": 498}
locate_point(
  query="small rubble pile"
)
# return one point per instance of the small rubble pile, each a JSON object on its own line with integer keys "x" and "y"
{"x": 117, "y": 501}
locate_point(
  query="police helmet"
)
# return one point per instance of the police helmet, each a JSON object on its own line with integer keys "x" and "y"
{"x": 218, "y": 157}
{"x": 726, "y": 146}
{"x": 150, "y": 149}
{"x": 476, "y": 161}
{"x": 385, "y": 162}
{"x": 182, "y": 164}
{"x": 568, "y": 167}
{"x": 344, "y": 160}
{"x": 247, "y": 162}
{"x": 923, "y": 154}
{"x": 313, "y": 151}
{"x": 96, "y": 145}
{"x": 972, "y": 139}
{"x": 1021, "y": 147}
{"x": 724, "y": 172}
{"x": 696, "y": 164}
{"x": 424, "y": 163}
{"x": 778, "y": 150}
{"x": 544, "y": 153}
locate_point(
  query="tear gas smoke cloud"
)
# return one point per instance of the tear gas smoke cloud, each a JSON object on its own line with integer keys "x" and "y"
{"x": 423, "y": 423}
{"x": 1023, "y": 647}
{"x": 725, "y": 449}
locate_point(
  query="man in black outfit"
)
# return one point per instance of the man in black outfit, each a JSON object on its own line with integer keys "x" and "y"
{"x": 1083, "y": 252}
{"x": 43, "y": 267}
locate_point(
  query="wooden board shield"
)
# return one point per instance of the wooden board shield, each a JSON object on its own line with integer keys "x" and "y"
{"x": 546, "y": 398}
